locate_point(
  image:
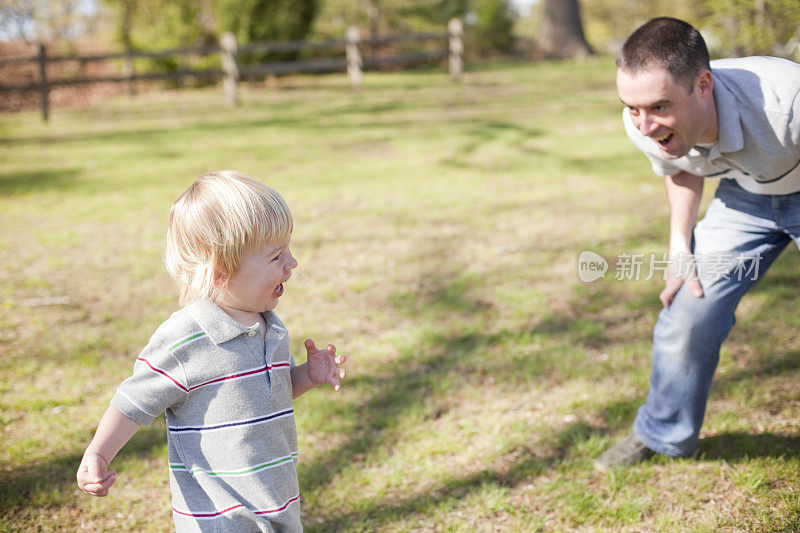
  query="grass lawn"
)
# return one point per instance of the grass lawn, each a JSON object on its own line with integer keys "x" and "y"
{"x": 438, "y": 228}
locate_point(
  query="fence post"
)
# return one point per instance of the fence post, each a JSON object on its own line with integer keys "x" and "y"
{"x": 128, "y": 72}
{"x": 229, "y": 67}
{"x": 354, "y": 62}
{"x": 456, "y": 31}
{"x": 43, "y": 82}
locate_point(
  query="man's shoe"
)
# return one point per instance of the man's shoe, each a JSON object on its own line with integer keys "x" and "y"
{"x": 629, "y": 451}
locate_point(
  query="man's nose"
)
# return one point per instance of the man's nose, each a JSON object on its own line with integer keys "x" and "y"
{"x": 646, "y": 124}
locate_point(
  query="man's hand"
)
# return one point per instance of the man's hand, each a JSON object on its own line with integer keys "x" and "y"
{"x": 93, "y": 475}
{"x": 684, "y": 192}
{"x": 681, "y": 270}
{"x": 323, "y": 365}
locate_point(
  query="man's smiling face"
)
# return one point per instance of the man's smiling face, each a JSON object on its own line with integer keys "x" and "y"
{"x": 667, "y": 112}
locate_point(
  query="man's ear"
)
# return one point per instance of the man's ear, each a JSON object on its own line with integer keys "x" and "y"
{"x": 705, "y": 83}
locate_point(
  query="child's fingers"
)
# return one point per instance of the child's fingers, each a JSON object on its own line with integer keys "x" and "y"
{"x": 310, "y": 347}
{"x": 101, "y": 488}
{"x": 95, "y": 469}
{"x": 342, "y": 373}
{"x": 111, "y": 477}
{"x": 339, "y": 359}
{"x": 95, "y": 489}
{"x": 92, "y": 471}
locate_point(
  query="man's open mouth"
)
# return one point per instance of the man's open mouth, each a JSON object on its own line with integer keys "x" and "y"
{"x": 664, "y": 139}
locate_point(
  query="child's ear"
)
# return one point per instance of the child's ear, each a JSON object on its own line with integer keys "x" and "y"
{"x": 219, "y": 278}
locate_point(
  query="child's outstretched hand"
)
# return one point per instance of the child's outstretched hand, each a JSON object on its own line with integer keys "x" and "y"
{"x": 323, "y": 365}
{"x": 93, "y": 475}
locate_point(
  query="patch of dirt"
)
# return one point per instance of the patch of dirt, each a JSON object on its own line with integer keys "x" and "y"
{"x": 60, "y": 97}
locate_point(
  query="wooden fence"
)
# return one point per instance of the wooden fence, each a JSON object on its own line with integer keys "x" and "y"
{"x": 347, "y": 58}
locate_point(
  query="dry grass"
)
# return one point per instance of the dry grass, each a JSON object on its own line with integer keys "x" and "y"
{"x": 438, "y": 228}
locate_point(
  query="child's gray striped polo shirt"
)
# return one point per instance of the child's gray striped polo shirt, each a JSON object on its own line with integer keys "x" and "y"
{"x": 227, "y": 394}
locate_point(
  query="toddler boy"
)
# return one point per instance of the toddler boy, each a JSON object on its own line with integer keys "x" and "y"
{"x": 220, "y": 367}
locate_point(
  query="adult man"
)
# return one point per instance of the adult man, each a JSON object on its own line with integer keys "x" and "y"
{"x": 734, "y": 119}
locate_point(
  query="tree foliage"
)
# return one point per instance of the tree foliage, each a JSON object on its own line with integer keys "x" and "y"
{"x": 267, "y": 20}
{"x": 750, "y": 27}
{"x": 493, "y": 30}
{"x": 382, "y": 17}
{"x": 170, "y": 23}
{"x": 490, "y": 23}
{"x": 155, "y": 24}
{"x": 45, "y": 20}
{"x": 731, "y": 27}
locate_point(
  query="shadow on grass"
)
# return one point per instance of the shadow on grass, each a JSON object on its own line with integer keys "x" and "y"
{"x": 53, "y": 480}
{"x": 525, "y": 464}
{"x": 780, "y": 282}
{"x": 349, "y": 115}
{"x": 778, "y": 364}
{"x": 436, "y": 361}
{"x": 33, "y": 181}
{"x": 739, "y": 446}
{"x": 778, "y": 290}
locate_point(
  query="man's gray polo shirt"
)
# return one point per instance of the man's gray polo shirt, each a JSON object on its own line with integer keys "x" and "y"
{"x": 758, "y": 105}
{"x": 227, "y": 393}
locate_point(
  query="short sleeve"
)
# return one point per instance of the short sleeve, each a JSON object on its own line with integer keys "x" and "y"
{"x": 158, "y": 382}
{"x": 794, "y": 123}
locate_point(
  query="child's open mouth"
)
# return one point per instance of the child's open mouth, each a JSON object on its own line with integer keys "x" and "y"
{"x": 279, "y": 290}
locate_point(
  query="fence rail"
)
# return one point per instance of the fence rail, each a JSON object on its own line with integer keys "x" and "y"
{"x": 231, "y": 71}
{"x": 204, "y": 50}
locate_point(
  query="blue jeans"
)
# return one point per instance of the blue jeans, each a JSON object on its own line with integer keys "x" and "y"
{"x": 734, "y": 245}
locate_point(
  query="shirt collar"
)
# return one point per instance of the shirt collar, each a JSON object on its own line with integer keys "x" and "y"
{"x": 218, "y": 325}
{"x": 730, "y": 134}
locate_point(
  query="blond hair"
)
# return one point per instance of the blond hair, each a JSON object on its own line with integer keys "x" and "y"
{"x": 214, "y": 224}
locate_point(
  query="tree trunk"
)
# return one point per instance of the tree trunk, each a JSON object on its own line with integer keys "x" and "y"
{"x": 126, "y": 24}
{"x": 207, "y": 23}
{"x": 562, "y": 30}
{"x": 125, "y": 29}
{"x": 373, "y": 15}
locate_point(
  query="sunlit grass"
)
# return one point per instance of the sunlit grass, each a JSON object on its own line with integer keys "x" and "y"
{"x": 438, "y": 228}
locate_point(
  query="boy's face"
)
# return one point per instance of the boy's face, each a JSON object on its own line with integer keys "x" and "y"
{"x": 258, "y": 284}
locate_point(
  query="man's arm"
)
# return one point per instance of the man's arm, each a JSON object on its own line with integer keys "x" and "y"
{"x": 684, "y": 192}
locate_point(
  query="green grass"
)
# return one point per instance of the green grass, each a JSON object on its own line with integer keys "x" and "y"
{"x": 438, "y": 228}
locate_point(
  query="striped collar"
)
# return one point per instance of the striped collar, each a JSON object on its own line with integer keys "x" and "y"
{"x": 219, "y": 326}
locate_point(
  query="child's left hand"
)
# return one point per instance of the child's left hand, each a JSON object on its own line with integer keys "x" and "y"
{"x": 323, "y": 365}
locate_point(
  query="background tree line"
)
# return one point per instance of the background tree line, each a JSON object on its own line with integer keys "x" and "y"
{"x": 554, "y": 28}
